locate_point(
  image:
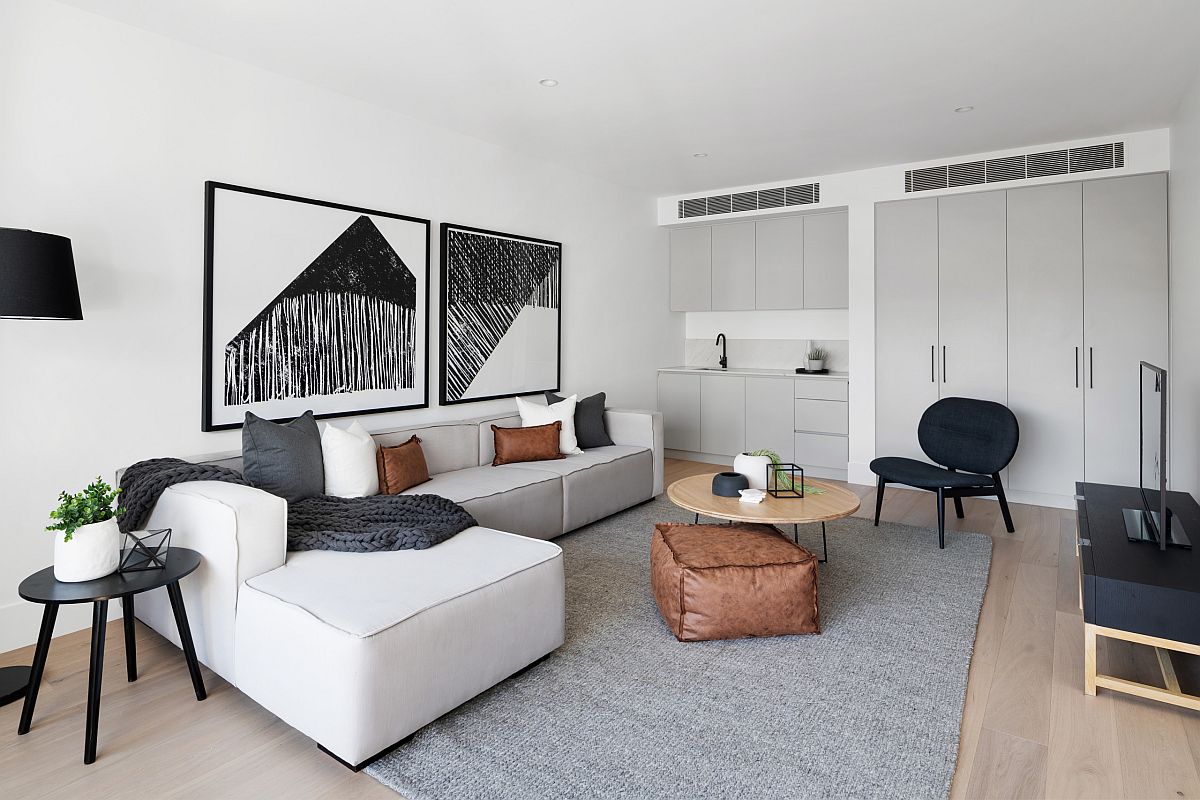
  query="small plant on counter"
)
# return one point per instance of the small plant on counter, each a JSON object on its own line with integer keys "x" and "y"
{"x": 93, "y": 504}
{"x": 817, "y": 353}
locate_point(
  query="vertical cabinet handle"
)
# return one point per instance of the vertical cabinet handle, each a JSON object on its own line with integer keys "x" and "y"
{"x": 943, "y": 363}
{"x": 1076, "y": 367}
{"x": 1091, "y": 368}
{"x": 933, "y": 363}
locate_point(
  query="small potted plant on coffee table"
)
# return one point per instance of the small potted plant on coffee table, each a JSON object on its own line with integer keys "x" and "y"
{"x": 88, "y": 542}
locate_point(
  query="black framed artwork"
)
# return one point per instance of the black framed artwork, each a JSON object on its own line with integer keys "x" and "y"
{"x": 311, "y": 305}
{"x": 501, "y": 315}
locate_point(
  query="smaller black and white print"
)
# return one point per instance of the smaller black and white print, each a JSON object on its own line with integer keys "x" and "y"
{"x": 501, "y": 316}
{"x": 313, "y": 306}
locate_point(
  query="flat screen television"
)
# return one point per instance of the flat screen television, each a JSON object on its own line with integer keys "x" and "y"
{"x": 1153, "y": 522}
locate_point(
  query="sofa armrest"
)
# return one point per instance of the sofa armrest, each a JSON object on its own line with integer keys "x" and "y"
{"x": 639, "y": 429}
{"x": 239, "y": 532}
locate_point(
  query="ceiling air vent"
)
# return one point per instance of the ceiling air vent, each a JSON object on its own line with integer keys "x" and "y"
{"x": 776, "y": 197}
{"x": 1015, "y": 168}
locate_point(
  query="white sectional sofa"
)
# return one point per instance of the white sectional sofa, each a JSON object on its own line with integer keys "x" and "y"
{"x": 357, "y": 651}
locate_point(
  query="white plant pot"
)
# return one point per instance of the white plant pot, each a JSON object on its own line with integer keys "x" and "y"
{"x": 754, "y": 468}
{"x": 816, "y": 365}
{"x": 93, "y": 552}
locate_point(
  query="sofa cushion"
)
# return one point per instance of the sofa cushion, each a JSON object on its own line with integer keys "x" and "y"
{"x": 535, "y": 443}
{"x": 361, "y": 594}
{"x": 524, "y": 501}
{"x": 599, "y": 482}
{"x": 468, "y": 484}
{"x": 402, "y": 466}
{"x": 590, "y": 430}
{"x": 284, "y": 460}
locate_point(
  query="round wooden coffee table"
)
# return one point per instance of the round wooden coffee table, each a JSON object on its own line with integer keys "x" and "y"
{"x": 695, "y": 494}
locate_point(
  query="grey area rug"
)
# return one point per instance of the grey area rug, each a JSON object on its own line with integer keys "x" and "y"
{"x": 871, "y": 707}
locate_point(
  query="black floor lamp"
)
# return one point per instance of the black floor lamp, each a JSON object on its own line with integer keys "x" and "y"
{"x": 37, "y": 281}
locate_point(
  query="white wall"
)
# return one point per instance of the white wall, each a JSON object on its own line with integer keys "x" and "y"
{"x": 1184, "y": 371}
{"x": 1146, "y": 151}
{"x": 107, "y": 135}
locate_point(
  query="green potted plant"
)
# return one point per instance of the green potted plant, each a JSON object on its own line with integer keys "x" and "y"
{"x": 88, "y": 544}
{"x": 754, "y": 466}
{"x": 816, "y": 357}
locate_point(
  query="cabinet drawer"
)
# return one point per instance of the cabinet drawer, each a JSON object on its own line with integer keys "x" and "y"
{"x": 822, "y": 450}
{"x": 815, "y": 389}
{"x": 822, "y": 416}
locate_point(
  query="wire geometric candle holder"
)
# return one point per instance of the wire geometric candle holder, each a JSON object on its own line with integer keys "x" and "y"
{"x": 145, "y": 550}
{"x": 785, "y": 480}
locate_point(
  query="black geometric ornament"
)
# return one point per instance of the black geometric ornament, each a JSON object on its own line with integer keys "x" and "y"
{"x": 146, "y": 551}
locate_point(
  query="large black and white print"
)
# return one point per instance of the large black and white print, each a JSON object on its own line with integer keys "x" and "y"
{"x": 501, "y": 316}
{"x": 310, "y": 304}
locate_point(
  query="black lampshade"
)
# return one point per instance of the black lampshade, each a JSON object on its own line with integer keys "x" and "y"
{"x": 37, "y": 276}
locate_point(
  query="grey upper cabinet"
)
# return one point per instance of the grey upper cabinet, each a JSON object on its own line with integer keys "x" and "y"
{"x": 783, "y": 263}
{"x": 827, "y": 260}
{"x": 691, "y": 269}
{"x": 779, "y": 263}
{"x": 733, "y": 267}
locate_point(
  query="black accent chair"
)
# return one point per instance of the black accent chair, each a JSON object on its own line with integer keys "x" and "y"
{"x": 971, "y": 440}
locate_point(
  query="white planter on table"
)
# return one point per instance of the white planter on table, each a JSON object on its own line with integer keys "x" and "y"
{"x": 93, "y": 552}
{"x": 754, "y": 468}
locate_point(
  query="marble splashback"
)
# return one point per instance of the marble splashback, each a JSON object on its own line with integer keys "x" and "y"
{"x": 766, "y": 353}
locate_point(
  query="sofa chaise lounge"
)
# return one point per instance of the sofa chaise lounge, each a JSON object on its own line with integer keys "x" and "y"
{"x": 358, "y": 651}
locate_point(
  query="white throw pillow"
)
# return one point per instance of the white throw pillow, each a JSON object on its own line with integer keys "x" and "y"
{"x": 349, "y": 457}
{"x": 534, "y": 414}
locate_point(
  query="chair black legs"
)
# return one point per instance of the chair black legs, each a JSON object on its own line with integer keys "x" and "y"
{"x": 879, "y": 499}
{"x": 941, "y": 503}
{"x": 958, "y": 509}
{"x": 1008, "y": 523}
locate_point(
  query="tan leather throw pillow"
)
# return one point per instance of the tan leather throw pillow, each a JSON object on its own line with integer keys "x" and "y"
{"x": 401, "y": 467}
{"x": 538, "y": 443}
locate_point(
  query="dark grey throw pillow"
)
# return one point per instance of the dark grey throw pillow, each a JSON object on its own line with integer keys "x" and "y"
{"x": 284, "y": 460}
{"x": 590, "y": 429}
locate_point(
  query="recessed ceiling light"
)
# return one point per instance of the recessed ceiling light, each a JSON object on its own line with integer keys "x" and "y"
{"x": 548, "y": 82}
{"x": 699, "y": 155}
{"x": 964, "y": 109}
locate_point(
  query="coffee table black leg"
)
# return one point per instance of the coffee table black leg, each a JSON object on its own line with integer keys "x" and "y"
{"x": 185, "y": 638}
{"x": 95, "y": 679}
{"x": 130, "y": 644}
{"x": 795, "y": 533}
{"x": 49, "y": 614}
{"x": 697, "y": 519}
{"x": 824, "y": 546}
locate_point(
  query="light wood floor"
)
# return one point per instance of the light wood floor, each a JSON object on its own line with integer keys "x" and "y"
{"x": 1028, "y": 729}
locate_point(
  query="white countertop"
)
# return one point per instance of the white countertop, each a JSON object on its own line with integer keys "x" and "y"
{"x": 769, "y": 373}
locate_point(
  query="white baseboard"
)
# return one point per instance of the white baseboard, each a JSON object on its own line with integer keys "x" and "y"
{"x": 20, "y": 621}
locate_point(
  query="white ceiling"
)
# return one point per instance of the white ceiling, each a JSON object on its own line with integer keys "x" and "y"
{"x": 771, "y": 89}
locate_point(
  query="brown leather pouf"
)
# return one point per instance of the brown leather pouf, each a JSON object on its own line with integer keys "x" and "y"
{"x": 732, "y": 581}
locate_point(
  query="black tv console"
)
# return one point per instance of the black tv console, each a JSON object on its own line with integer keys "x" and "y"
{"x": 1135, "y": 591}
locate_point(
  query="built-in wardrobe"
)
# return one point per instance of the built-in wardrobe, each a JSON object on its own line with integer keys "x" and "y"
{"x": 1044, "y": 298}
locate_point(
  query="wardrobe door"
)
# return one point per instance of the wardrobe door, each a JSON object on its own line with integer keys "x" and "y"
{"x": 1124, "y": 315}
{"x": 1045, "y": 336}
{"x": 972, "y": 297}
{"x": 906, "y": 322}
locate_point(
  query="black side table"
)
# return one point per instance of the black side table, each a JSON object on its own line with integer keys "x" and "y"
{"x": 41, "y": 587}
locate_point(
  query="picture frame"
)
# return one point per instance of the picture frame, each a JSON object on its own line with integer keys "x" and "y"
{"x": 501, "y": 315}
{"x": 311, "y": 304}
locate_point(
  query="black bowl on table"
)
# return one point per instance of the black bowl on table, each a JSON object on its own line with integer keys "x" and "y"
{"x": 729, "y": 484}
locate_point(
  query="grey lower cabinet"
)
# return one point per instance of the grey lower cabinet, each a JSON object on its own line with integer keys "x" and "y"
{"x": 679, "y": 402}
{"x": 691, "y": 269}
{"x": 804, "y": 420}
{"x": 733, "y": 267}
{"x": 770, "y": 416}
{"x": 722, "y": 414}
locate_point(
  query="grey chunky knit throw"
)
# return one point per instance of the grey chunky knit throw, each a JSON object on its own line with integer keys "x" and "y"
{"x": 347, "y": 524}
